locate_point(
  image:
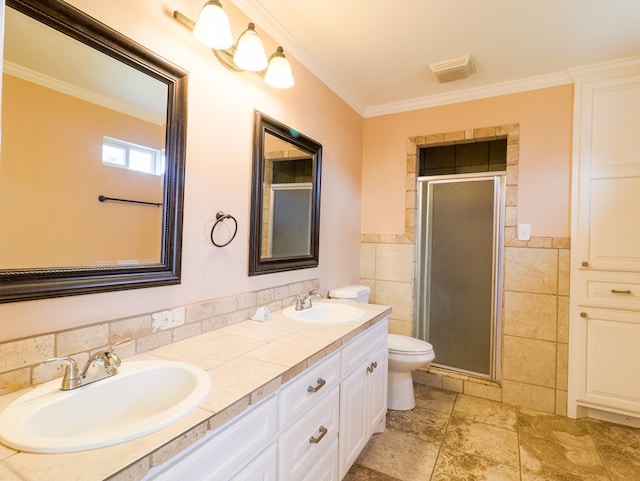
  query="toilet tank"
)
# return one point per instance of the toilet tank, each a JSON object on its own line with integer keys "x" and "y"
{"x": 352, "y": 292}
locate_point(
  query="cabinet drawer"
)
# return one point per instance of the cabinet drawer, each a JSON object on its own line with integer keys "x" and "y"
{"x": 304, "y": 443}
{"x": 263, "y": 468}
{"x": 618, "y": 290}
{"x": 326, "y": 469}
{"x": 356, "y": 351}
{"x": 220, "y": 453}
{"x": 305, "y": 389}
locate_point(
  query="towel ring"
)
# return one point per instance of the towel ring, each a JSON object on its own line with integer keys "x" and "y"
{"x": 220, "y": 217}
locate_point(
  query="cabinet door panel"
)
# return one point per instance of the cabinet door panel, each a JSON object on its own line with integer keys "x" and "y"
{"x": 353, "y": 422}
{"x": 614, "y": 130}
{"x": 377, "y": 389}
{"x": 613, "y": 359}
{"x": 614, "y": 229}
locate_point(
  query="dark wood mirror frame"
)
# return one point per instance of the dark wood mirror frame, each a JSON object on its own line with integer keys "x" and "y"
{"x": 258, "y": 264}
{"x": 38, "y": 283}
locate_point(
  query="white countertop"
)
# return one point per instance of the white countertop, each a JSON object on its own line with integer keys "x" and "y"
{"x": 246, "y": 362}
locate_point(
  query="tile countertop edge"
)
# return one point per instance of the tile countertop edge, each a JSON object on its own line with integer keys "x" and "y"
{"x": 182, "y": 433}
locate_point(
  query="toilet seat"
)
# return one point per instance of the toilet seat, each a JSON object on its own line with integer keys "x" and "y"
{"x": 408, "y": 345}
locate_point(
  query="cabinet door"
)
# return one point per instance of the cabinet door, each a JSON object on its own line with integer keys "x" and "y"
{"x": 611, "y": 226}
{"x": 608, "y": 182}
{"x": 376, "y": 385}
{"x": 610, "y": 343}
{"x": 353, "y": 422}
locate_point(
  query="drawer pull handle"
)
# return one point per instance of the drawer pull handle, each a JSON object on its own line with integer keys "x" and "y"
{"x": 583, "y": 314}
{"x": 321, "y": 382}
{"x": 584, "y": 264}
{"x": 620, "y": 291}
{"x": 323, "y": 433}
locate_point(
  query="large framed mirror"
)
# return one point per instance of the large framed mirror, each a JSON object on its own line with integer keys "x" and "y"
{"x": 285, "y": 198}
{"x": 91, "y": 160}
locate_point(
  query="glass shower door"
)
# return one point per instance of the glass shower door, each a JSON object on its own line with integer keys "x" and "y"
{"x": 458, "y": 270}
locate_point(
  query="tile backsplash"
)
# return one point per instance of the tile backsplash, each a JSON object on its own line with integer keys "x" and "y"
{"x": 21, "y": 359}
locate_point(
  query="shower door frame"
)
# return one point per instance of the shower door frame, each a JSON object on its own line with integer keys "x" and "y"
{"x": 422, "y": 283}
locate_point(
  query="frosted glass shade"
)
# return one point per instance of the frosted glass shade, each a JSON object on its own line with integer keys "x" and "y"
{"x": 212, "y": 28}
{"x": 250, "y": 51}
{"x": 278, "y": 73}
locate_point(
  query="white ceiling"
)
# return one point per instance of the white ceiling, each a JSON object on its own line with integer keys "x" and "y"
{"x": 375, "y": 54}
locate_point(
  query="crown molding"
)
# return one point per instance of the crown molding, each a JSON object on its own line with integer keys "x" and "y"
{"x": 594, "y": 72}
{"x": 255, "y": 9}
{"x": 66, "y": 88}
{"x": 493, "y": 90}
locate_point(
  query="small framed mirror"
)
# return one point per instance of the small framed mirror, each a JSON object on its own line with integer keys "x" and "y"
{"x": 91, "y": 160}
{"x": 285, "y": 198}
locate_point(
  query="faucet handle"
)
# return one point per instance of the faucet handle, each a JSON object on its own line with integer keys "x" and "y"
{"x": 119, "y": 343}
{"x": 71, "y": 378}
{"x": 112, "y": 358}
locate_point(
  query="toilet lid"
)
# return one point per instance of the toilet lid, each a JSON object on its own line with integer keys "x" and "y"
{"x": 398, "y": 343}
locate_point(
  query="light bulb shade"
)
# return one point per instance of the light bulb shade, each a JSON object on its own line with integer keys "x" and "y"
{"x": 250, "y": 51}
{"x": 212, "y": 28}
{"x": 278, "y": 73}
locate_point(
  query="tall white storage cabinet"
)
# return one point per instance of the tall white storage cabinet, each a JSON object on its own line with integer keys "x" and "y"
{"x": 604, "y": 319}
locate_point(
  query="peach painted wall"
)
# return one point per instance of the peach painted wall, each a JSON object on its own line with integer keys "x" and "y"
{"x": 49, "y": 188}
{"x": 218, "y": 174}
{"x": 545, "y": 117}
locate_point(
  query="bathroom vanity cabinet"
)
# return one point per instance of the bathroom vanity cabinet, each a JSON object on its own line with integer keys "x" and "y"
{"x": 363, "y": 396}
{"x": 311, "y": 429}
{"x": 604, "y": 362}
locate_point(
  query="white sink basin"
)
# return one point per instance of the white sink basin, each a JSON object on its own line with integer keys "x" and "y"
{"x": 143, "y": 397}
{"x": 325, "y": 312}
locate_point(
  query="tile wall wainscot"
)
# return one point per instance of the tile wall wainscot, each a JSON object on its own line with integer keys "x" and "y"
{"x": 535, "y": 292}
{"x": 21, "y": 359}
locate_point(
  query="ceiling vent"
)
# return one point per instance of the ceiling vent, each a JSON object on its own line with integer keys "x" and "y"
{"x": 456, "y": 69}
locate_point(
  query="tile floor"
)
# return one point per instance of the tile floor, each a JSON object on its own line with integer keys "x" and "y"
{"x": 454, "y": 437}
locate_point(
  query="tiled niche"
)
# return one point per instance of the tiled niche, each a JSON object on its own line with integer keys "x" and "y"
{"x": 534, "y": 340}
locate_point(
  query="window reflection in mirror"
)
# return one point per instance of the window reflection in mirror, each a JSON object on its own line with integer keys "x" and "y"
{"x": 286, "y": 198}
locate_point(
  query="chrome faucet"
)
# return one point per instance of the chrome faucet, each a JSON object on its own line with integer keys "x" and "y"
{"x": 99, "y": 366}
{"x": 301, "y": 302}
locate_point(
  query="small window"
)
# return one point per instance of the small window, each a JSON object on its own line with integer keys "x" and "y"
{"x": 118, "y": 153}
{"x": 463, "y": 158}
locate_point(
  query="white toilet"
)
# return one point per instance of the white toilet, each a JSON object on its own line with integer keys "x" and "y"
{"x": 406, "y": 354}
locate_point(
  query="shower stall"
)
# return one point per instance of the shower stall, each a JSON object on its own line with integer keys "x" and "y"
{"x": 458, "y": 279}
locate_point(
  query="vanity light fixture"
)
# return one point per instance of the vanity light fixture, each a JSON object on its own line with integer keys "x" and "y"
{"x": 213, "y": 30}
{"x": 213, "y": 27}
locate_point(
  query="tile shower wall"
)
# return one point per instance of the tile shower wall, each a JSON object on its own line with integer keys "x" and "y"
{"x": 534, "y": 341}
{"x": 21, "y": 359}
